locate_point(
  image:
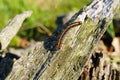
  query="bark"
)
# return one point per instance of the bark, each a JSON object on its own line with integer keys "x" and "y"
{"x": 43, "y": 62}
{"x": 100, "y": 68}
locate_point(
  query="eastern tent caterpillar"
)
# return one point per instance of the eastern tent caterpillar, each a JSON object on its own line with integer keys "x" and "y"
{"x": 74, "y": 24}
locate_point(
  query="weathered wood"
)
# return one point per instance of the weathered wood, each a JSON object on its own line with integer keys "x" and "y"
{"x": 44, "y": 63}
{"x": 7, "y": 34}
{"x": 100, "y": 68}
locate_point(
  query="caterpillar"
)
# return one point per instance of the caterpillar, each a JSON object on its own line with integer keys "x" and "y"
{"x": 74, "y": 24}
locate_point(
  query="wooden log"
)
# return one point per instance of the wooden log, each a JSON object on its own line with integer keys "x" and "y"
{"x": 44, "y": 62}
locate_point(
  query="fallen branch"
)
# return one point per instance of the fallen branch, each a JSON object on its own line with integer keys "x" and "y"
{"x": 7, "y": 34}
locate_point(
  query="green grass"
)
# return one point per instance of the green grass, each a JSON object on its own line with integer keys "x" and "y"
{"x": 45, "y": 13}
{"x": 111, "y": 30}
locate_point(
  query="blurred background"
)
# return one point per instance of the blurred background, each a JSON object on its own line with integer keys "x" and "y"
{"x": 45, "y": 19}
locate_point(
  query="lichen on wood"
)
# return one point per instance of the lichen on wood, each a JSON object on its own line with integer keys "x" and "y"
{"x": 44, "y": 63}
